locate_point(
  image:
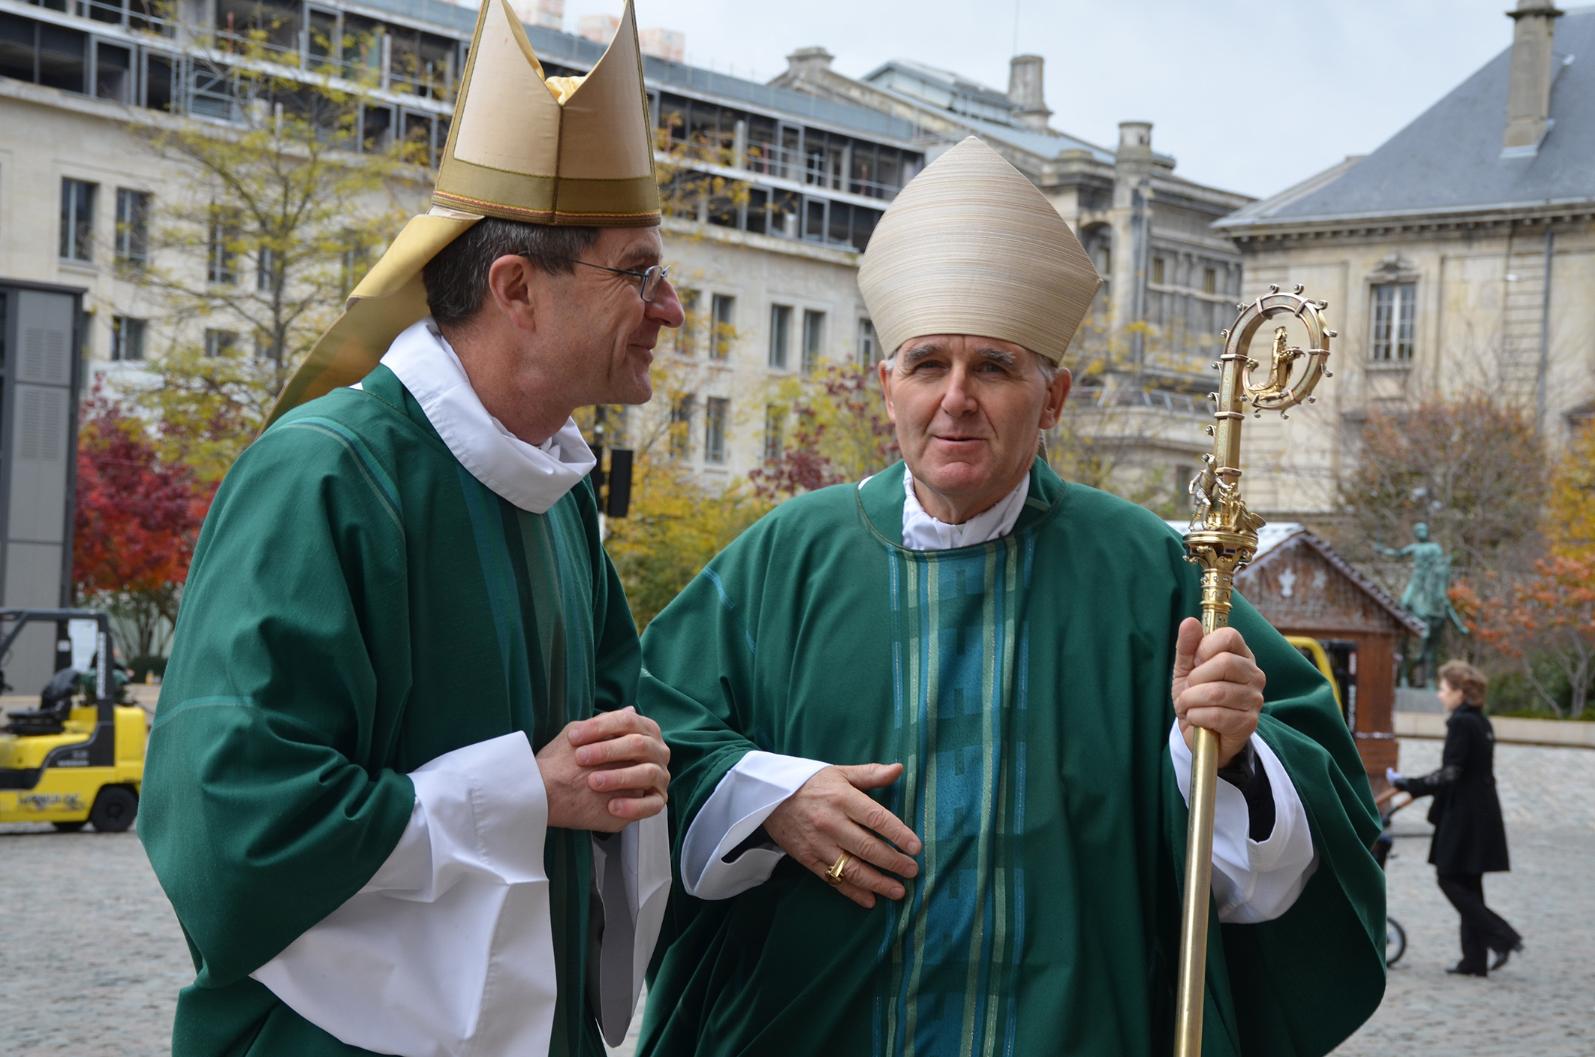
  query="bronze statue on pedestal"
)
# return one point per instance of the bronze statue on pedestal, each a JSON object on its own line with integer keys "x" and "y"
{"x": 1425, "y": 598}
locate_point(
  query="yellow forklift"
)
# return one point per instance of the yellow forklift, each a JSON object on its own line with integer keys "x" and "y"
{"x": 79, "y": 757}
{"x": 1337, "y": 661}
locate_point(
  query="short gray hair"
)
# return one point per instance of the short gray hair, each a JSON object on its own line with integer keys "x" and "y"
{"x": 456, "y": 279}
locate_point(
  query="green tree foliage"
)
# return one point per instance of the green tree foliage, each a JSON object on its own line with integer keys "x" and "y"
{"x": 252, "y": 256}
{"x": 840, "y": 432}
{"x": 1570, "y": 513}
{"x": 673, "y": 529}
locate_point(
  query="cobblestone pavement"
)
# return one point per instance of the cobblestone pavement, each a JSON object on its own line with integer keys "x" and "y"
{"x": 1540, "y": 1002}
{"x": 93, "y": 958}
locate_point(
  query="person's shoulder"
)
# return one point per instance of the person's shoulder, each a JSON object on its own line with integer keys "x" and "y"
{"x": 817, "y": 508}
{"x": 341, "y": 441}
{"x": 1093, "y": 513}
{"x": 797, "y": 524}
{"x": 1468, "y": 720}
{"x": 336, "y": 426}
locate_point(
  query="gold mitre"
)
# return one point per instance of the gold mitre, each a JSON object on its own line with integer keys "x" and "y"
{"x": 971, "y": 247}
{"x": 523, "y": 146}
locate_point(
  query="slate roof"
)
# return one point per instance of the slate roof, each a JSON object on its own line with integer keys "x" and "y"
{"x": 1047, "y": 144}
{"x": 1450, "y": 160}
{"x": 955, "y": 82}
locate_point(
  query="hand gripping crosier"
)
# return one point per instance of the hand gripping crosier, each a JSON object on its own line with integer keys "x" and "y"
{"x": 1222, "y": 538}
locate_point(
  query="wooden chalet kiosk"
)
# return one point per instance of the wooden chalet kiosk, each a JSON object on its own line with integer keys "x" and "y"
{"x": 1303, "y": 587}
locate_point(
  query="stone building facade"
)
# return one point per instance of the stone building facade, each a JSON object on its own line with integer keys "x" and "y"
{"x": 1171, "y": 280}
{"x": 1457, "y": 257}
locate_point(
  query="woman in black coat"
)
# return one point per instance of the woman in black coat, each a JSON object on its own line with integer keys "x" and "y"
{"x": 1469, "y": 835}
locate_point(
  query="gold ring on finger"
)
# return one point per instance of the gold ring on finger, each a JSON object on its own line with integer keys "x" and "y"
{"x": 834, "y": 874}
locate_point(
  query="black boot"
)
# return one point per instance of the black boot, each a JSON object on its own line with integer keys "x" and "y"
{"x": 1504, "y": 953}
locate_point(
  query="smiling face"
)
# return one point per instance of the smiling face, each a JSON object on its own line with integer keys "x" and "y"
{"x": 968, "y": 411}
{"x": 595, "y": 327}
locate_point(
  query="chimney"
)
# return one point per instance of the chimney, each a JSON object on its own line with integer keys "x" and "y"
{"x": 1528, "y": 105}
{"x": 1135, "y": 140}
{"x": 808, "y": 63}
{"x": 1026, "y": 91}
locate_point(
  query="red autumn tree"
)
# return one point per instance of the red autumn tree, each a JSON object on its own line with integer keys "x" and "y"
{"x": 840, "y": 433}
{"x": 136, "y": 521}
{"x": 1545, "y": 623}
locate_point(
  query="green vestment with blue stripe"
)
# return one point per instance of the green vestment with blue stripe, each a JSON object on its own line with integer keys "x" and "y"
{"x": 358, "y": 605}
{"x": 1024, "y": 683}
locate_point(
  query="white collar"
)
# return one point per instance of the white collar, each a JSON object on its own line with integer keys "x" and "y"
{"x": 531, "y": 476}
{"x": 921, "y": 532}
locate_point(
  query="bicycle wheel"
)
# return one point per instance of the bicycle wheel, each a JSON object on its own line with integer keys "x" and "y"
{"x": 1395, "y": 941}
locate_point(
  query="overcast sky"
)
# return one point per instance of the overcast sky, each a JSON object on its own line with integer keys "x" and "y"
{"x": 1337, "y": 76}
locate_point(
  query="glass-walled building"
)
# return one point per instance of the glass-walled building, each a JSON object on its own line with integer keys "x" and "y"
{"x": 771, "y": 193}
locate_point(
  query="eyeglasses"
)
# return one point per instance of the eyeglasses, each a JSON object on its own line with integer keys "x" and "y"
{"x": 648, "y": 279}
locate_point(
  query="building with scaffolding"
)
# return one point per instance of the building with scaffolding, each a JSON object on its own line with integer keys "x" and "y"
{"x": 768, "y": 269}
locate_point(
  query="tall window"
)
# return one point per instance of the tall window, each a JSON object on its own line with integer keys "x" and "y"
{"x": 681, "y": 425}
{"x": 268, "y": 347}
{"x": 813, "y": 335}
{"x": 352, "y": 265}
{"x": 265, "y": 269}
{"x": 780, "y": 334}
{"x": 1182, "y": 482}
{"x": 867, "y": 345}
{"x": 1392, "y": 312}
{"x": 774, "y": 423}
{"x": 132, "y": 227}
{"x": 724, "y": 313}
{"x": 687, "y": 335}
{"x": 716, "y": 412}
{"x": 127, "y": 338}
{"x": 220, "y": 342}
{"x": 221, "y": 256}
{"x": 77, "y": 220}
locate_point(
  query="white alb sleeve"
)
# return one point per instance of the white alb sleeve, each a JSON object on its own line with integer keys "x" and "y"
{"x": 1253, "y": 881}
{"x": 745, "y": 797}
{"x": 631, "y": 870}
{"x": 448, "y": 947}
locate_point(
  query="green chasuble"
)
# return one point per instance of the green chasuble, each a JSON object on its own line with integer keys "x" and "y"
{"x": 358, "y": 605}
{"x": 1024, "y": 683}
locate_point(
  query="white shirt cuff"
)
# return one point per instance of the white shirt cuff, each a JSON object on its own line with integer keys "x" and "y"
{"x": 1253, "y": 881}
{"x": 403, "y": 966}
{"x": 632, "y": 873}
{"x": 745, "y": 797}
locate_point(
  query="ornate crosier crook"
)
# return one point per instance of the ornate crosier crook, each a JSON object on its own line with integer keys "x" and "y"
{"x": 1221, "y": 539}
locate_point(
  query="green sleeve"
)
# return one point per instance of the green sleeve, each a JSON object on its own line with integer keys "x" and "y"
{"x": 266, "y": 804}
{"x": 618, "y": 657}
{"x": 1306, "y": 980}
{"x": 697, "y": 679}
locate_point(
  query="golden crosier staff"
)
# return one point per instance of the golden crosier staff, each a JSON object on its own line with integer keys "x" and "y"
{"x": 1222, "y": 539}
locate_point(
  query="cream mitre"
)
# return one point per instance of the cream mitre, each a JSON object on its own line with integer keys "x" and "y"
{"x": 970, "y": 246}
